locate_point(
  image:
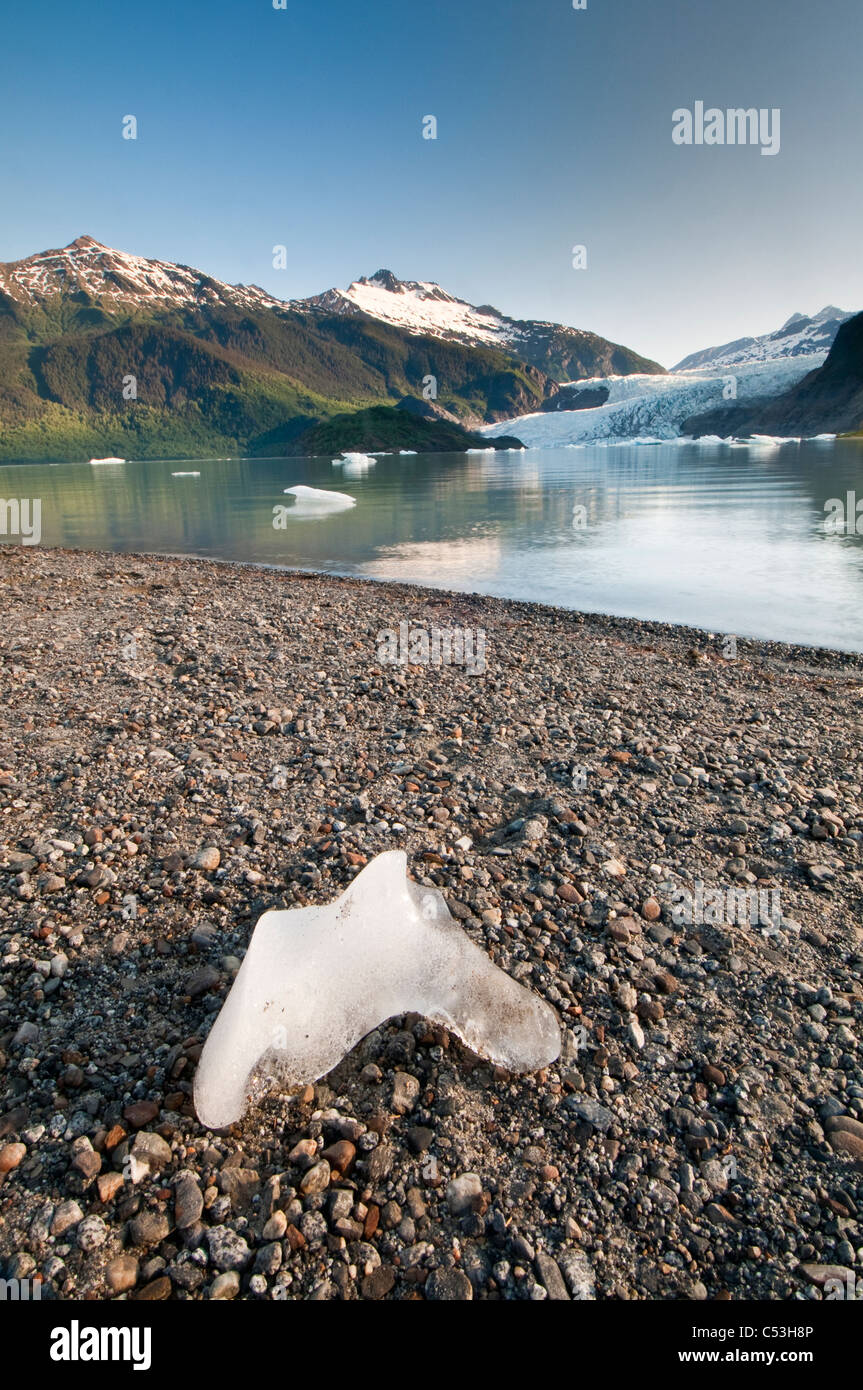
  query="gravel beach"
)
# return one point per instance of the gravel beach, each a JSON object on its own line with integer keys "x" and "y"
{"x": 185, "y": 744}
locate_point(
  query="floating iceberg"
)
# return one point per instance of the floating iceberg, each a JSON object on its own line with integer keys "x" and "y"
{"x": 316, "y": 980}
{"x": 313, "y": 501}
{"x": 355, "y": 465}
{"x": 770, "y": 441}
{"x": 358, "y": 460}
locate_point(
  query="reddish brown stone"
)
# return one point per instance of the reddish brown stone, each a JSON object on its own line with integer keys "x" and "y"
{"x": 10, "y": 1156}
{"x": 155, "y": 1292}
{"x": 379, "y": 1283}
{"x": 296, "y": 1240}
{"x": 650, "y": 1010}
{"x": 842, "y": 1141}
{"x": 141, "y": 1113}
{"x": 340, "y": 1155}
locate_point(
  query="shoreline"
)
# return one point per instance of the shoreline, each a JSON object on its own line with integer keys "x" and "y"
{"x": 772, "y": 647}
{"x": 712, "y": 1072}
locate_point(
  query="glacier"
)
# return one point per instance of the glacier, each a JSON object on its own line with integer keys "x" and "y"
{"x": 316, "y": 980}
{"x": 651, "y": 409}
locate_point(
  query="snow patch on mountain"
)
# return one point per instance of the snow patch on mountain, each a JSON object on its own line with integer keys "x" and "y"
{"x": 420, "y": 307}
{"x": 652, "y": 408}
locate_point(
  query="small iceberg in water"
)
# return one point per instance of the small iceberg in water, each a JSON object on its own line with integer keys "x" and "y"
{"x": 355, "y": 465}
{"x": 316, "y": 501}
{"x": 771, "y": 441}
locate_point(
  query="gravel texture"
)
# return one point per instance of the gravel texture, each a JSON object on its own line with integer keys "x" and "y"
{"x": 185, "y": 745}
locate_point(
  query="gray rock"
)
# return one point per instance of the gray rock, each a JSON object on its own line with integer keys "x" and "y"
{"x": 225, "y": 1286}
{"x": 522, "y": 1249}
{"x": 228, "y": 1250}
{"x": 461, "y": 1193}
{"x": 579, "y": 1276}
{"x": 549, "y": 1275}
{"x": 200, "y": 981}
{"x": 341, "y": 1204}
{"x": 67, "y": 1215}
{"x": 188, "y": 1201}
{"x": 592, "y": 1112}
{"x": 313, "y": 1227}
{"x": 406, "y": 1089}
{"x": 448, "y": 1286}
{"x": 91, "y": 1234}
{"x": 149, "y": 1228}
{"x": 268, "y": 1260}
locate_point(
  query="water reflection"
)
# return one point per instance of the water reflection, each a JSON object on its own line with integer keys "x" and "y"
{"x": 731, "y": 539}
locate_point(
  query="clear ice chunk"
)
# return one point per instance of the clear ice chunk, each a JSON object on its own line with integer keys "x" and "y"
{"x": 315, "y": 980}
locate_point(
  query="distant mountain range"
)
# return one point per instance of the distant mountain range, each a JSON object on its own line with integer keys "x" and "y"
{"x": 107, "y": 353}
{"x": 799, "y": 336}
{"x": 102, "y": 352}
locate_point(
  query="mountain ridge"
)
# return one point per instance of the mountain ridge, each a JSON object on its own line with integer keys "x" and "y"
{"x": 87, "y": 266}
{"x": 423, "y": 307}
{"x": 801, "y": 335}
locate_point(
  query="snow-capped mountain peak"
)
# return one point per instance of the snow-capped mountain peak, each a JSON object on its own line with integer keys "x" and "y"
{"x": 417, "y": 306}
{"x": 86, "y": 266}
{"x": 421, "y": 307}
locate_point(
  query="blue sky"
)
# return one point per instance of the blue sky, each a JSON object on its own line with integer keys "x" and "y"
{"x": 302, "y": 127}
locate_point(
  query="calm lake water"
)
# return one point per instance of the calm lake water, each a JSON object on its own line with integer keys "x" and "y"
{"x": 728, "y": 539}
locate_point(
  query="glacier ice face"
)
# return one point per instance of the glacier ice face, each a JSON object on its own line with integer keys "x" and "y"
{"x": 650, "y": 409}
{"x": 316, "y": 980}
